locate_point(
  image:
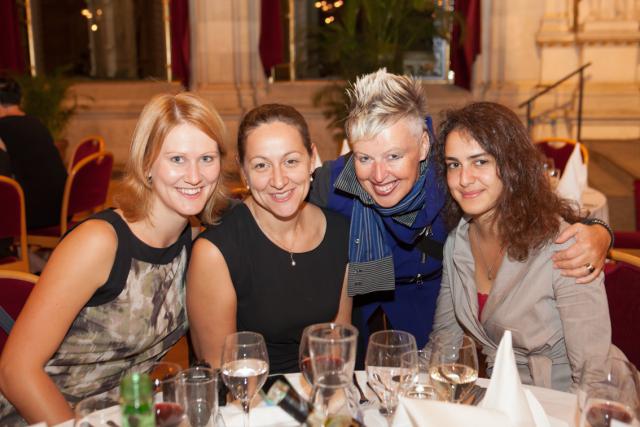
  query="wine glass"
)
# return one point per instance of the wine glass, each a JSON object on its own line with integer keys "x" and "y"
{"x": 304, "y": 358}
{"x": 454, "y": 366}
{"x": 332, "y": 349}
{"x": 102, "y": 410}
{"x": 245, "y": 366}
{"x": 609, "y": 390}
{"x": 168, "y": 408}
{"x": 384, "y": 366}
{"x": 197, "y": 392}
{"x": 416, "y": 382}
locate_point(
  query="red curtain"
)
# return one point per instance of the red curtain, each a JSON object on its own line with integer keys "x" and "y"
{"x": 180, "y": 48}
{"x": 463, "y": 55}
{"x": 270, "y": 35}
{"x": 11, "y": 52}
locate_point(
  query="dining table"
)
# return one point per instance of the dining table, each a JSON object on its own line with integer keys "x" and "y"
{"x": 560, "y": 407}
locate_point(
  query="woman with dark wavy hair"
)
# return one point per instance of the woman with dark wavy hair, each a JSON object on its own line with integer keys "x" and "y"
{"x": 498, "y": 272}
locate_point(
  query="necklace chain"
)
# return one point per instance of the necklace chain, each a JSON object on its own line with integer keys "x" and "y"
{"x": 277, "y": 242}
{"x": 489, "y": 268}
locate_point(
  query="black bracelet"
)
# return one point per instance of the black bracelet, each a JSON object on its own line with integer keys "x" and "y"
{"x": 592, "y": 221}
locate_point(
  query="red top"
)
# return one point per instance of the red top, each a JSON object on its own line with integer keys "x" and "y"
{"x": 482, "y": 299}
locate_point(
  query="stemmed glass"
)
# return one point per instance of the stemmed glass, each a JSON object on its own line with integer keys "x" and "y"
{"x": 384, "y": 366}
{"x": 609, "y": 390}
{"x": 245, "y": 366}
{"x": 304, "y": 358}
{"x": 168, "y": 408}
{"x": 416, "y": 382}
{"x": 197, "y": 391}
{"x": 454, "y": 366}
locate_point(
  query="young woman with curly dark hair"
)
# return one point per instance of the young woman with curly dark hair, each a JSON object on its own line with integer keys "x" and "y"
{"x": 498, "y": 272}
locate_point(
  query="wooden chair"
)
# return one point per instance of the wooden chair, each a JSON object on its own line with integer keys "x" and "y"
{"x": 560, "y": 149}
{"x": 87, "y": 146}
{"x": 13, "y": 223}
{"x": 15, "y": 287}
{"x": 622, "y": 283}
{"x": 85, "y": 192}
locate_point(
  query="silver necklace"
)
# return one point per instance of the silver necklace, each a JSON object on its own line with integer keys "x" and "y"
{"x": 277, "y": 242}
{"x": 489, "y": 268}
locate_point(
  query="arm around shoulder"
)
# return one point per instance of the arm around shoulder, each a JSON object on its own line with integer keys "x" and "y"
{"x": 211, "y": 301}
{"x": 80, "y": 264}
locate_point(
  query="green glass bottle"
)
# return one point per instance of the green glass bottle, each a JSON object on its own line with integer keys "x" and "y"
{"x": 136, "y": 401}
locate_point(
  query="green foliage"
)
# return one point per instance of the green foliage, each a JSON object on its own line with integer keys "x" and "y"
{"x": 368, "y": 35}
{"x": 48, "y": 97}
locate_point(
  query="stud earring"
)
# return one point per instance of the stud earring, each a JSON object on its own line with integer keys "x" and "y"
{"x": 310, "y": 178}
{"x": 248, "y": 187}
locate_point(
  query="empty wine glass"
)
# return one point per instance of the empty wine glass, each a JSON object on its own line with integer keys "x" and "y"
{"x": 102, "y": 410}
{"x": 384, "y": 366}
{"x": 416, "y": 382}
{"x": 197, "y": 392}
{"x": 332, "y": 349}
{"x": 168, "y": 408}
{"x": 245, "y": 366}
{"x": 609, "y": 390}
{"x": 454, "y": 366}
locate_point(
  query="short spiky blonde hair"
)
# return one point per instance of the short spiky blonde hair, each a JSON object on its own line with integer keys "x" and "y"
{"x": 380, "y": 99}
{"x": 158, "y": 118}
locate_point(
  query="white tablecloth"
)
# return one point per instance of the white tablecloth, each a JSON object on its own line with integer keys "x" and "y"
{"x": 596, "y": 203}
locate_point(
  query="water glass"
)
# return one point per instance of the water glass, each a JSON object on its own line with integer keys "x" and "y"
{"x": 416, "y": 383}
{"x": 384, "y": 366}
{"x": 332, "y": 349}
{"x": 102, "y": 410}
{"x": 245, "y": 367}
{"x": 609, "y": 390}
{"x": 454, "y": 366}
{"x": 197, "y": 392}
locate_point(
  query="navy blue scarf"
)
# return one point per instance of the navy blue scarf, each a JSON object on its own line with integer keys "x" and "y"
{"x": 370, "y": 258}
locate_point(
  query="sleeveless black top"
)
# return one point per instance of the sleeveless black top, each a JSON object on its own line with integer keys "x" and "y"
{"x": 276, "y": 299}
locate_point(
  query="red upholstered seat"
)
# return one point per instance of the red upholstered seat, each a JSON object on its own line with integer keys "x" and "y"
{"x": 85, "y": 191}
{"x": 560, "y": 149}
{"x": 622, "y": 282}
{"x": 87, "y": 146}
{"x": 13, "y": 223}
{"x": 15, "y": 288}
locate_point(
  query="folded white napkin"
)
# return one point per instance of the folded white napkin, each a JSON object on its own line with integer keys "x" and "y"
{"x": 574, "y": 177}
{"x": 345, "y": 147}
{"x": 430, "y": 413}
{"x": 506, "y": 394}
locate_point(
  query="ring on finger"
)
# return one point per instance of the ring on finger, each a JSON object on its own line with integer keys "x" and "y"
{"x": 590, "y": 268}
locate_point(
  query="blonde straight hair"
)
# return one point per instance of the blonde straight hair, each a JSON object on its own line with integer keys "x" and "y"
{"x": 158, "y": 118}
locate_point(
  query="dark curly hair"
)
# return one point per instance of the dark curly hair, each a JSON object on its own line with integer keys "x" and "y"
{"x": 527, "y": 212}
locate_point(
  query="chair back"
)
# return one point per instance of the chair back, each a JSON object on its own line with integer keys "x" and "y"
{"x": 87, "y": 146}
{"x": 15, "y": 287}
{"x": 560, "y": 149}
{"x": 86, "y": 187}
{"x": 636, "y": 198}
{"x": 622, "y": 283}
{"x": 13, "y": 223}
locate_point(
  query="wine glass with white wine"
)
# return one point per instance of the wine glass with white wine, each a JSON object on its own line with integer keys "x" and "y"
{"x": 454, "y": 366}
{"x": 245, "y": 367}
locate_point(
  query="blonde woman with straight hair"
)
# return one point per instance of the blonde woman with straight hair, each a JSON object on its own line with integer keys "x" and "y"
{"x": 111, "y": 297}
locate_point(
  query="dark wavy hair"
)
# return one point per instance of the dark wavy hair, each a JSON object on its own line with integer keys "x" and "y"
{"x": 528, "y": 212}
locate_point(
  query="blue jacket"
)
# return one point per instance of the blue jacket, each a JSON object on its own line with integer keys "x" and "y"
{"x": 411, "y": 307}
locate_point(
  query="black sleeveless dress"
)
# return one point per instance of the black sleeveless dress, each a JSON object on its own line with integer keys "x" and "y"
{"x": 276, "y": 299}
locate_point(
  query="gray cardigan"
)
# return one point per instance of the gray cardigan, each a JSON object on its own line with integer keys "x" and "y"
{"x": 556, "y": 323}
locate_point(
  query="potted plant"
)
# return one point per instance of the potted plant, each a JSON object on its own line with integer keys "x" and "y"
{"x": 368, "y": 35}
{"x": 48, "y": 97}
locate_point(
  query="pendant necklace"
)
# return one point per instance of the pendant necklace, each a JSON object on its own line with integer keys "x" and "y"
{"x": 277, "y": 243}
{"x": 489, "y": 268}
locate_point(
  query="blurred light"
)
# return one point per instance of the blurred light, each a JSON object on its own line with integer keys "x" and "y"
{"x": 338, "y": 3}
{"x": 329, "y": 19}
{"x": 318, "y": 5}
{"x": 86, "y": 13}
{"x": 99, "y": 12}
{"x": 451, "y": 75}
{"x": 94, "y": 27}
